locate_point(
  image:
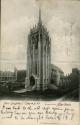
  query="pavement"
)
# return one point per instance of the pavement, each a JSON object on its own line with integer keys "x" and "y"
{"x": 20, "y": 91}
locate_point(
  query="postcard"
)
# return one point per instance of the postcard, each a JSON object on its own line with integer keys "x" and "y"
{"x": 40, "y": 62}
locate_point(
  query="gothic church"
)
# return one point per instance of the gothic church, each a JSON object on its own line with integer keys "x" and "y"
{"x": 38, "y": 58}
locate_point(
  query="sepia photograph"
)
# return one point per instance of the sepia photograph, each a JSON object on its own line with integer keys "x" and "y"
{"x": 39, "y": 62}
{"x": 40, "y": 50}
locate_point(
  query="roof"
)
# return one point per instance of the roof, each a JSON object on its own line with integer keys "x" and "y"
{"x": 56, "y": 68}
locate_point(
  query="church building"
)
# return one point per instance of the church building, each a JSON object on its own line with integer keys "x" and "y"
{"x": 38, "y": 58}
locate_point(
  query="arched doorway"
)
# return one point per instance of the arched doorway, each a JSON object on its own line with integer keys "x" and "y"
{"x": 32, "y": 80}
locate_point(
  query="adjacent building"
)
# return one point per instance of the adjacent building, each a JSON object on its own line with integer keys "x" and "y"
{"x": 7, "y": 76}
{"x": 21, "y": 75}
{"x": 56, "y": 75}
{"x": 71, "y": 80}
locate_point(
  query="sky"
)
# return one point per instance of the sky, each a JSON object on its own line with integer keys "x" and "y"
{"x": 62, "y": 20}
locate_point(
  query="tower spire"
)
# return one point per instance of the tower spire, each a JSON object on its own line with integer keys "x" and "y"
{"x": 40, "y": 21}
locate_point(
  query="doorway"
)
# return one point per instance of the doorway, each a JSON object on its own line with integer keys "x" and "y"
{"x": 32, "y": 80}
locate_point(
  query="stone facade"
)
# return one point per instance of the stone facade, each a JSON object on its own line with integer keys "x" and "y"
{"x": 56, "y": 75}
{"x": 38, "y": 58}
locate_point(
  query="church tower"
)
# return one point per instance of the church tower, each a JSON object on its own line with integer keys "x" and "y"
{"x": 38, "y": 58}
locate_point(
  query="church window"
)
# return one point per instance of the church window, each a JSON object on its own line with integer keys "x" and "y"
{"x": 36, "y": 69}
{"x": 36, "y": 44}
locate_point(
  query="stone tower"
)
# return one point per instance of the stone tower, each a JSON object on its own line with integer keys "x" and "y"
{"x": 38, "y": 58}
